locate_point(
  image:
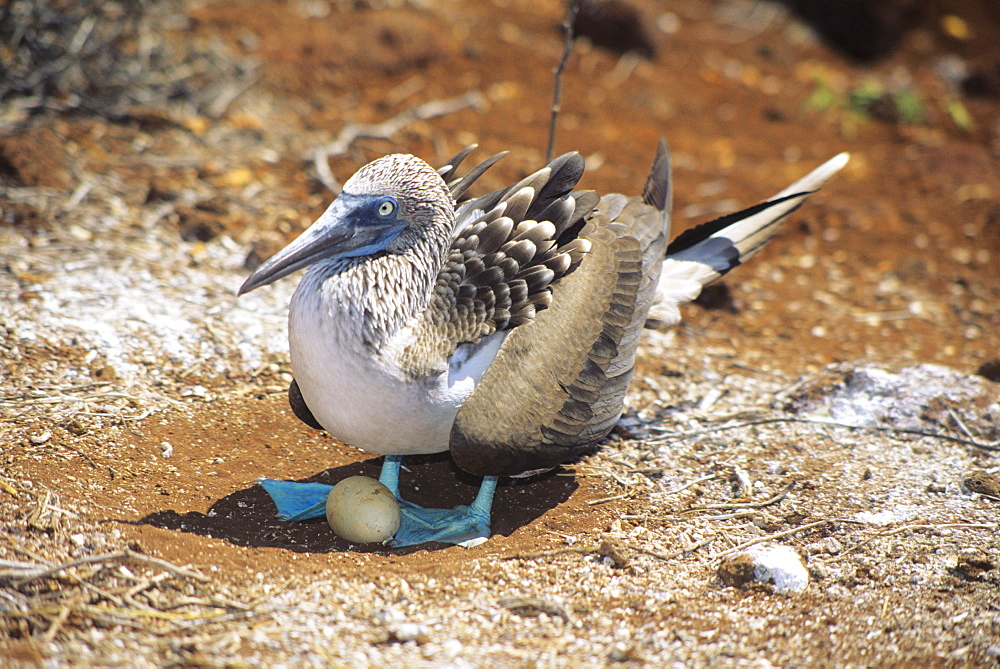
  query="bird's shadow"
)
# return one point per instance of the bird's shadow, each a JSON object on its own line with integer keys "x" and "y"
{"x": 247, "y": 517}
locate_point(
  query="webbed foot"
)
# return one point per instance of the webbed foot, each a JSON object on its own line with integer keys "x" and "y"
{"x": 466, "y": 526}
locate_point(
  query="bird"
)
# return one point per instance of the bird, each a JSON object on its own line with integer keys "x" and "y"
{"x": 501, "y": 328}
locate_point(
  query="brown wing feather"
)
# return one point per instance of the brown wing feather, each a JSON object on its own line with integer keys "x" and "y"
{"x": 558, "y": 383}
{"x": 494, "y": 273}
{"x": 502, "y": 265}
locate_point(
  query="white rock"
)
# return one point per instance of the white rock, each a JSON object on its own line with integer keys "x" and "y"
{"x": 782, "y": 566}
{"x": 778, "y": 565}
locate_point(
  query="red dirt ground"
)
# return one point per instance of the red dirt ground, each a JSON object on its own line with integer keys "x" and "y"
{"x": 894, "y": 261}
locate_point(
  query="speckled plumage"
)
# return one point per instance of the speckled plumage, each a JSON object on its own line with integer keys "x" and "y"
{"x": 502, "y": 328}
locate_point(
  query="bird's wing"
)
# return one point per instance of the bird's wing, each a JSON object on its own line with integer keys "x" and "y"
{"x": 458, "y": 185}
{"x": 704, "y": 253}
{"x": 557, "y": 384}
{"x": 503, "y": 262}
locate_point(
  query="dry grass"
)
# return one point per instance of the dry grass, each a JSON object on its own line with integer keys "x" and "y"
{"x": 111, "y": 59}
{"x": 114, "y": 328}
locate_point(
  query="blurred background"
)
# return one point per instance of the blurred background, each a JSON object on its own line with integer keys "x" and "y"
{"x": 220, "y": 119}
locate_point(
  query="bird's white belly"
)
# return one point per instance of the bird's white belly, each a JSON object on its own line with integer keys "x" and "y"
{"x": 362, "y": 400}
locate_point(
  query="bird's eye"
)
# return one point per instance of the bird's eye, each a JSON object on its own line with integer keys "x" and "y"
{"x": 386, "y": 208}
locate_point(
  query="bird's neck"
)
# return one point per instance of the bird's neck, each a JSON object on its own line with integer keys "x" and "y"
{"x": 369, "y": 300}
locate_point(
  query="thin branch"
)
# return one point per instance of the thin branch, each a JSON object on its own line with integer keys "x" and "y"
{"x": 384, "y": 130}
{"x": 607, "y": 548}
{"x": 776, "y": 535}
{"x": 56, "y": 624}
{"x": 986, "y": 446}
{"x": 916, "y": 527}
{"x": 624, "y": 495}
{"x": 940, "y": 526}
{"x": 745, "y": 505}
{"x": 572, "y": 7}
{"x": 676, "y": 554}
{"x": 120, "y": 556}
{"x": 702, "y": 479}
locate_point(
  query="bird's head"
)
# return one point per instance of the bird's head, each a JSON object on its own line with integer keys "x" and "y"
{"x": 390, "y": 205}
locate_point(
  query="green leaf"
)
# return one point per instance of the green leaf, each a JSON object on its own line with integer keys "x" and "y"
{"x": 909, "y": 106}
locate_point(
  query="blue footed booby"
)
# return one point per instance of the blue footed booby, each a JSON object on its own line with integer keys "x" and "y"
{"x": 501, "y": 328}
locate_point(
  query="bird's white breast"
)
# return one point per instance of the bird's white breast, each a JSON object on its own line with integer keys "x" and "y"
{"x": 361, "y": 396}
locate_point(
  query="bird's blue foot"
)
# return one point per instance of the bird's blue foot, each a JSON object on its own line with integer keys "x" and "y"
{"x": 296, "y": 500}
{"x": 464, "y": 525}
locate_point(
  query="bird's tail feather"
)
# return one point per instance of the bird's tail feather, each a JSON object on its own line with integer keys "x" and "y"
{"x": 706, "y": 252}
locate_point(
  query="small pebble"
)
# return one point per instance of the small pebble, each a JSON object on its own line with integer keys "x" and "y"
{"x": 982, "y": 482}
{"x": 403, "y": 632}
{"x": 778, "y": 565}
{"x": 39, "y": 439}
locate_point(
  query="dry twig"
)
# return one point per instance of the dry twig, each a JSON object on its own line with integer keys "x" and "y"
{"x": 987, "y": 446}
{"x": 631, "y": 492}
{"x": 676, "y": 554}
{"x": 745, "y": 505}
{"x": 914, "y": 527}
{"x": 771, "y": 537}
{"x": 532, "y": 606}
{"x": 384, "y": 130}
{"x": 607, "y": 548}
{"x": 690, "y": 484}
{"x": 125, "y": 555}
{"x": 572, "y": 7}
{"x": 110, "y": 56}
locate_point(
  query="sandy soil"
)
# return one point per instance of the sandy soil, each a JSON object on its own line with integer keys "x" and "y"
{"x": 140, "y": 399}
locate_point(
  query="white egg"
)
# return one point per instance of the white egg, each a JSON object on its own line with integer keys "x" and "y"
{"x": 362, "y": 510}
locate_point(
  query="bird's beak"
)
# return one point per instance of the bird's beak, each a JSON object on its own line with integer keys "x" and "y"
{"x": 346, "y": 229}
